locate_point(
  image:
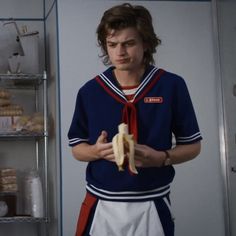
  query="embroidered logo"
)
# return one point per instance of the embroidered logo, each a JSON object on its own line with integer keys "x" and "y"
{"x": 153, "y": 100}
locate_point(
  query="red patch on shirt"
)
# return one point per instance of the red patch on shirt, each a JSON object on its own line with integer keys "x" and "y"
{"x": 153, "y": 100}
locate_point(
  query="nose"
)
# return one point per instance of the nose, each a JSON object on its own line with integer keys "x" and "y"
{"x": 120, "y": 49}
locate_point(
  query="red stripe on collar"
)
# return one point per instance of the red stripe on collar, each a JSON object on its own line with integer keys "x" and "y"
{"x": 109, "y": 91}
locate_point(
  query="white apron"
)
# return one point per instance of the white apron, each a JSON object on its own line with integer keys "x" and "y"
{"x": 126, "y": 219}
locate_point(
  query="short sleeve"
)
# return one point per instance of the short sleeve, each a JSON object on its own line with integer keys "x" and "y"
{"x": 185, "y": 125}
{"x": 78, "y": 131}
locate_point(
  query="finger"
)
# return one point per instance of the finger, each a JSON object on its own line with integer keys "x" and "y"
{"x": 138, "y": 149}
{"x": 110, "y": 158}
{"x": 138, "y": 155}
{"x": 106, "y": 146}
{"x": 138, "y": 163}
{"x": 107, "y": 150}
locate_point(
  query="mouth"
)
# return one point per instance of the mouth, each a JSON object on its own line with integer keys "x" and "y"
{"x": 123, "y": 61}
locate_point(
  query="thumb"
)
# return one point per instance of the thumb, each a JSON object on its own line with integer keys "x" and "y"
{"x": 103, "y": 137}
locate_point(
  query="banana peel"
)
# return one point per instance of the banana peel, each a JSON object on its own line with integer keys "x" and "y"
{"x": 123, "y": 148}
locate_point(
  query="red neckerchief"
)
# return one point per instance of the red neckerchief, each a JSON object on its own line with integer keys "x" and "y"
{"x": 129, "y": 113}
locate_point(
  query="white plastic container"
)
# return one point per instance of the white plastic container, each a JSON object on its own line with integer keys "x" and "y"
{"x": 3, "y": 208}
{"x": 33, "y": 195}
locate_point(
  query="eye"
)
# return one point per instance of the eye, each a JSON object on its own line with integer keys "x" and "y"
{"x": 130, "y": 43}
{"x": 111, "y": 45}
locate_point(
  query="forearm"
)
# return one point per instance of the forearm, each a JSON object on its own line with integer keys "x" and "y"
{"x": 84, "y": 152}
{"x": 183, "y": 153}
{"x": 149, "y": 157}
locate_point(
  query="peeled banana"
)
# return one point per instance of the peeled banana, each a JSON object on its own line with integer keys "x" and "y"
{"x": 123, "y": 148}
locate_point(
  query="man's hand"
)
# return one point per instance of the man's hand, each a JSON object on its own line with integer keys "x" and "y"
{"x": 146, "y": 156}
{"x": 100, "y": 150}
{"x": 103, "y": 148}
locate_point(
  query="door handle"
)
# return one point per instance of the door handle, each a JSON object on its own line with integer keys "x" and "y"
{"x": 233, "y": 169}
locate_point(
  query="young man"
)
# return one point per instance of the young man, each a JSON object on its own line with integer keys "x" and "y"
{"x": 156, "y": 105}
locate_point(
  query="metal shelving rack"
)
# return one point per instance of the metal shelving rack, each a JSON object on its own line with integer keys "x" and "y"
{"x": 23, "y": 219}
{"x": 31, "y": 81}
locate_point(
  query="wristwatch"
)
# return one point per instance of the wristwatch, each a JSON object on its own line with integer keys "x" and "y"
{"x": 167, "y": 161}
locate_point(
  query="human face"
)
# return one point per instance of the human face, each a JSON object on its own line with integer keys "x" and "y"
{"x": 125, "y": 49}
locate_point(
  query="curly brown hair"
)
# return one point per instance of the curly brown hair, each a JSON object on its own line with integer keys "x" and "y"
{"x": 123, "y": 16}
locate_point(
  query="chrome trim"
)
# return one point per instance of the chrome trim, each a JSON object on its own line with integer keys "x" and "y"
{"x": 221, "y": 116}
{"x": 45, "y": 114}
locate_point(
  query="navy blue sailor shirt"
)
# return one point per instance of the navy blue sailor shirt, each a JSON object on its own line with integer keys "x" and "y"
{"x": 161, "y": 109}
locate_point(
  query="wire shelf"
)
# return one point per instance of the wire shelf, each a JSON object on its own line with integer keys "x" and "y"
{"x": 23, "y": 219}
{"x": 21, "y": 135}
{"x": 21, "y": 80}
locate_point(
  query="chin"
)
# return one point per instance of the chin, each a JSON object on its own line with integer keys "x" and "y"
{"x": 123, "y": 67}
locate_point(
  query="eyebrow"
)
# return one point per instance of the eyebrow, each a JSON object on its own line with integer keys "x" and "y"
{"x": 126, "y": 41}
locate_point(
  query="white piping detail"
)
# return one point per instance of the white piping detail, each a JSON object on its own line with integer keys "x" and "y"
{"x": 111, "y": 85}
{"x": 119, "y": 92}
{"x": 188, "y": 139}
{"x": 169, "y": 207}
{"x": 130, "y": 192}
{"x": 145, "y": 81}
{"x": 77, "y": 140}
{"x": 196, "y": 134}
{"x": 133, "y": 197}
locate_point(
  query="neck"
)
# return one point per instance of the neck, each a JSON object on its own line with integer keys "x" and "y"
{"x": 129, "y": 78}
